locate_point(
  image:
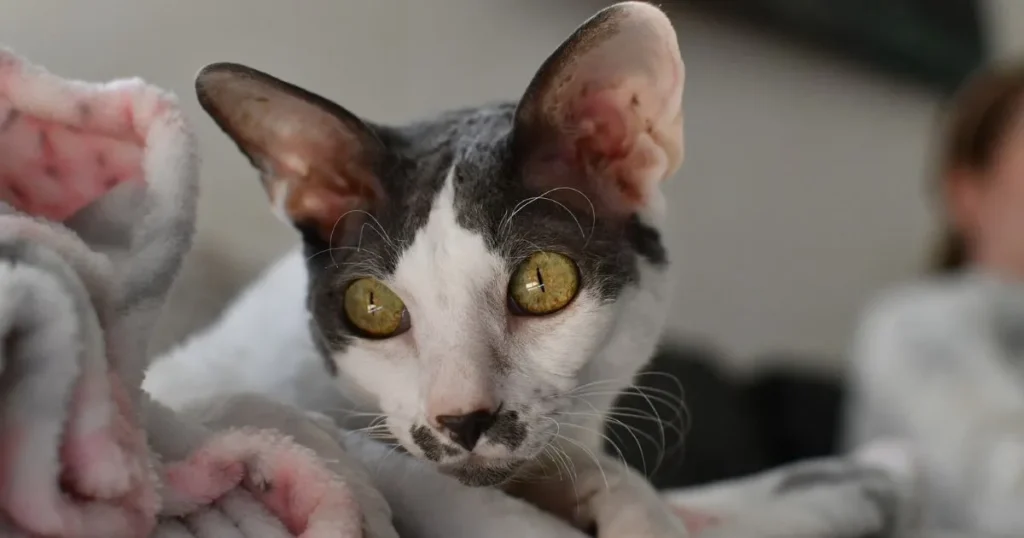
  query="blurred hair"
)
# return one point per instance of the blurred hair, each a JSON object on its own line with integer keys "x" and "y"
{"x": 977, "y": 121}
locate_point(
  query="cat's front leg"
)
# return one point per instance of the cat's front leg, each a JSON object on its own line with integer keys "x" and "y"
{"x": 599, "y": 493}
{"x": 872, "y": 492}
{"x": 627, "y": 504}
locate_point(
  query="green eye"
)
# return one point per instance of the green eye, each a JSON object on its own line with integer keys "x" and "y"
{"x": 543, "y": 284}
{"x": 375, "y": 310}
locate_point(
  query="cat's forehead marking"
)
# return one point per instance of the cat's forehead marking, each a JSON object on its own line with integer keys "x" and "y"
{"x": 446, "y": 265}
{"x": 423, "y": 155}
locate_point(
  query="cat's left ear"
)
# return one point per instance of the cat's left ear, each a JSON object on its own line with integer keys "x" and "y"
{"x": 604, "y": 114}
{"x": 317, "y": 161}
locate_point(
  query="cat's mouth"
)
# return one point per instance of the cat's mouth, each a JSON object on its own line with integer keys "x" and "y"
{"x": 471, "y": 469}
{"x": 481, "y": 472}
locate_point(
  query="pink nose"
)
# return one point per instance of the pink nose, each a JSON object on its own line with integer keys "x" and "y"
{"x": 467, "y": 429}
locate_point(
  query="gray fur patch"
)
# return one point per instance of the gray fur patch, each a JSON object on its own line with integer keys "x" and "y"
{"x": 813, "y": 475}
{"x": 431, "y": 446}
{"x": 490, "y": 199}
{"x": 322, "y": 347}
{"x": 877, "y": 488}
{"x": 427, "y": 442}
{"x": 508, "y": 430}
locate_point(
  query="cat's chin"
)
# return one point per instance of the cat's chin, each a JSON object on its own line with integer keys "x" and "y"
{"x": 476, "y": 472}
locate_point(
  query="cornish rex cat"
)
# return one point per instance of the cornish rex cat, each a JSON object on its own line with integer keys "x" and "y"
{"x": 484, "y": 282}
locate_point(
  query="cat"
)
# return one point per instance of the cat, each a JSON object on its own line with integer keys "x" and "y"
{"x": 485, "y": 281}
{"x": 491, "y": 278}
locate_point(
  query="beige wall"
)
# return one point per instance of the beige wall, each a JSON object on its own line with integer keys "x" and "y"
{"x": 802, "y": 192}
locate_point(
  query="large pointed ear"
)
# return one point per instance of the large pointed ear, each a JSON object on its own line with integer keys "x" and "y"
{"x": 317, "y": 161}
{"x": 604, "y": 113}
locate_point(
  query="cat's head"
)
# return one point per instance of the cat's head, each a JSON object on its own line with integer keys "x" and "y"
{"x": 473, "y": 273}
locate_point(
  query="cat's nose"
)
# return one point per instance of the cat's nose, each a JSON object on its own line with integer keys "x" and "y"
{"x": 467, "y": 429}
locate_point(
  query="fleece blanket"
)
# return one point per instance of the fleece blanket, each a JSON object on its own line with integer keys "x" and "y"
{"x": 98, "y": 184}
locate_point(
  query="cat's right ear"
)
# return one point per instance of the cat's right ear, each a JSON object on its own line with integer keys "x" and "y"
{"x": 604, "y": 114}
{"x": 317, "y": 161}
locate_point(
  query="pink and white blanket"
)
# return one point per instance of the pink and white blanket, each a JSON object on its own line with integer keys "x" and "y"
{"x": 98, "y": 185}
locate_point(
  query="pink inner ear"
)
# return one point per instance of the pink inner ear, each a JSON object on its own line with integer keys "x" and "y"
{"x": 612, "y": 105}
{"x": 608, "y": 130}
{"x": 53, "y": 165}
{"x": 609, "y": 134}
{"x": 604, "y": 130}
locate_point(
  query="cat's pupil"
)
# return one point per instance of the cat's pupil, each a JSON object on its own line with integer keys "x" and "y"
{"x": 371, "y": 305}
{"x": 538, "y": 283}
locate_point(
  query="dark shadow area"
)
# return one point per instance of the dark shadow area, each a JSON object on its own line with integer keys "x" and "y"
{"x": 730, "y": 428}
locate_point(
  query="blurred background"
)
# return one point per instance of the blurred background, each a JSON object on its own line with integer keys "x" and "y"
{"x": 807, "y": 129}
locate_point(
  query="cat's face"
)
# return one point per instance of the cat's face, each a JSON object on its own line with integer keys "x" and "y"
{"x": 473, "y": 300}
{"x": 468, "y": 273}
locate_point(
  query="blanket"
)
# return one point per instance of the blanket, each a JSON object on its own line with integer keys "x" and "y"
{"x": 98, "y": 184}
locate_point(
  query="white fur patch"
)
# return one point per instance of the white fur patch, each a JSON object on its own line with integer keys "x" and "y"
{"x": 454, "y": 290}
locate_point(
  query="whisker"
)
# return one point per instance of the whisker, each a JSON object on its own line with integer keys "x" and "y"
{"x": 678, "y": 406}
{"x": 629, "y": 429}
{"x": 355, "y": 413}
{"x": 380, "y": 464}
{"x": 651, "y": 373}
{"x": 588, "y": 452}
{"x": 622, "y": 457}
{"x": 661, "y": 428}
{"x": 678, "y": 422}
{"x": 627, "y": 387}
{"x": 570, "y": 466}
{"x": 383, "y": 234}
{"x": 634, "y": 432}
{"x": 663, "y": 446}
{"x": 659, "y": 446}
{"x": 523, "y": 204}
{"x": 351, "y": 412}
{"x": 551, "y": 453}
{"x": 380, "y": 428}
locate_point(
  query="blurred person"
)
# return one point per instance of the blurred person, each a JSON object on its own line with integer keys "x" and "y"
{"x": 940, "y": 362}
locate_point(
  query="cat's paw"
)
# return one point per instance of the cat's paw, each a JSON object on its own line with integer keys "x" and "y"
{"x": 629, "y": 506}
{"x": 642, "y": 520}
{"x": 902, "y": 467}
{"x": 286, "y": 478}
{"x": 696, "y": 520}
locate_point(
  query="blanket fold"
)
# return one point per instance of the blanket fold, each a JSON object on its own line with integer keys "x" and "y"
{"x": 98, "y": 186}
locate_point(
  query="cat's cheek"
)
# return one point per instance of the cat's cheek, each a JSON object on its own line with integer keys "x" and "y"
{"x": 559, "y": 346}
{"x": 400, "y": 428}
{"x": 384, "y": 371}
